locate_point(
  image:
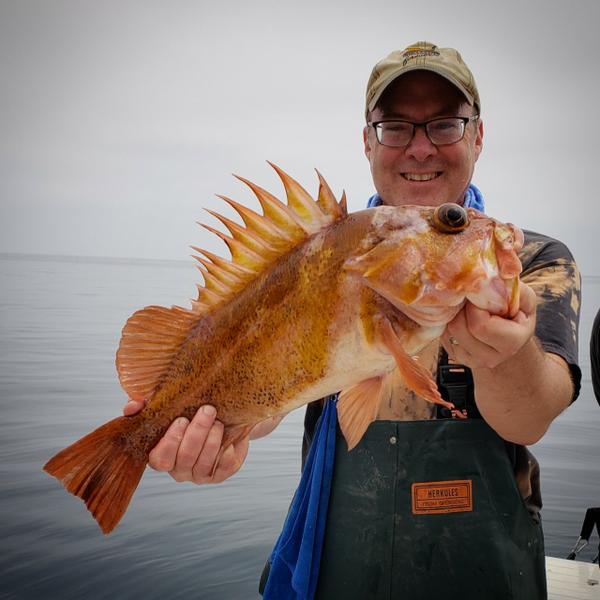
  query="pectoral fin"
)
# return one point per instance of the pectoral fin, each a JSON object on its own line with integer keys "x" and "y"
{"x": 358, "y": 405}
{"x": 415, "y": 376}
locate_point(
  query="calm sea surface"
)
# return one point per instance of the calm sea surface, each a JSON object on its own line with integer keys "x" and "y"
{"x": 60, "y": 323}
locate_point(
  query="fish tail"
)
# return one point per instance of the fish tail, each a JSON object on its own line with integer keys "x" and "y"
{"x": 103, "y": 469}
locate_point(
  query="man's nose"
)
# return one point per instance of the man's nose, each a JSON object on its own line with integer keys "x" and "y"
{"x": 420, "y": 147}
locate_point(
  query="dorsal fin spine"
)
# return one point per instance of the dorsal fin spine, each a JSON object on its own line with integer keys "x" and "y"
{"x": 258, "y": 223}
{"x": 277, "y": 212}
{"x": 199, "y": 307}
{"x": 245, "y": 236}
{"x": 208, "y": 296}
{"x": 300, "y": 201}
{"x": 221, "y": 275}
{"x": 240, "y": 253}
{"x": 240, "y": 270}
{"x": 212, "y": 283}
{"x": 326, "y": 199}
{"x": 343, "y": 204}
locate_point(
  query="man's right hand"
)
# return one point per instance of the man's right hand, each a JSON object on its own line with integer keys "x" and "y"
{"x": 188, "y": 449}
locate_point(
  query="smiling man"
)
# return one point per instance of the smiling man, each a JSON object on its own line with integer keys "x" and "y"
{"x": 413, "y": 113}
{"x": 426, "y": 505}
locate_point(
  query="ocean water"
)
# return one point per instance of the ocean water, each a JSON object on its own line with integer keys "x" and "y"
{"x": 60, "y": 323}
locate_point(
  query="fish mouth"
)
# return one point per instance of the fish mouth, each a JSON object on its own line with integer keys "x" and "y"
{"x": 497, "y": 291}
{"x": 421, "y": 177}
{"x": 493, "y": 297}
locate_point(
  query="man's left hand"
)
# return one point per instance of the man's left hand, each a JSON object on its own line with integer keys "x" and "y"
{"x": 478, "y": 339}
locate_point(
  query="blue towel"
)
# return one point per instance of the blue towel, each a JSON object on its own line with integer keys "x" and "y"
{"x": 296, "y": 556}
{"x": 297, "y": 553}
{"x": 473, "y": 199}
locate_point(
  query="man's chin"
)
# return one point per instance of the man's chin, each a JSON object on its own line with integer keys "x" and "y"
{"x": 426, "y": 194}
{"x": 427, "y": 200}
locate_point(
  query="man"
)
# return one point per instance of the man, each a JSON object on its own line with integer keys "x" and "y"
{"x": 524, "y": 373}
{"x": 595, "y": 356}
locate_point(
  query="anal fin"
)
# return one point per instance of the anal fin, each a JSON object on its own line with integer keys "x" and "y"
{"x": 415, "y": 376}
{"x": 357, "y": 407}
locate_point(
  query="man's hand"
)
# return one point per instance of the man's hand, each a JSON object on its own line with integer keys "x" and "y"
{"x": 188, "y": 449}
{"x": 477, "y": 339}
{"x": 519, "y": 388}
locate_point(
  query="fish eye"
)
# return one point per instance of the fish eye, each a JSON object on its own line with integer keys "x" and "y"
{"x": 450, "y": 218}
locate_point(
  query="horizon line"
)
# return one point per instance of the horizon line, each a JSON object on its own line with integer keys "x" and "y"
{"x": 123, "y": 259}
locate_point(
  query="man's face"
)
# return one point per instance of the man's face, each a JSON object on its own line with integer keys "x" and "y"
{"x": 422, "y": 173}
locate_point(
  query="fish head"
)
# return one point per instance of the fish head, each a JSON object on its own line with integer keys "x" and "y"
{"x": 428, "y": 261}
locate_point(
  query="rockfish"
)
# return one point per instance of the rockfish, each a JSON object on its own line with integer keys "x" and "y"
{"x": 314, "y": 300}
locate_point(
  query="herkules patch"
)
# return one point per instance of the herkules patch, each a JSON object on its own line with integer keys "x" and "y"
{"x": 435, "y": 497}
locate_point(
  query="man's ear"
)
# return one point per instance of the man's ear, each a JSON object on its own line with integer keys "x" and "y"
{"x": 479, "y": 139}
{"x": 366, "y": 142}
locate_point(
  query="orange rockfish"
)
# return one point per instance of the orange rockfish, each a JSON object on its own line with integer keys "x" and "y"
{"x": 314, "y": 300}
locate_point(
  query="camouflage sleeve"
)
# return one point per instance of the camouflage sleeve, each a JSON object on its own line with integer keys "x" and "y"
{"x": 549, "y": 268}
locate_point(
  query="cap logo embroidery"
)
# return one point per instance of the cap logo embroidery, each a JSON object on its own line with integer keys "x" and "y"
{"x": 413, "y": 52}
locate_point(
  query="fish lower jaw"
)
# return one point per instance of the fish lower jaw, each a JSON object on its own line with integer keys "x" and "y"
{"x": 430, "y": 317}
{"x": 494, "y": 297}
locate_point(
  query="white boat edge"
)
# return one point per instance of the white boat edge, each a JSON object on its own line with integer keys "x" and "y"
{"x": 572, "y": 579}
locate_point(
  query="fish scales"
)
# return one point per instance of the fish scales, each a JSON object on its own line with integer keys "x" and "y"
{"x": 250, "y": 358}
{"x": 342, "y": 303}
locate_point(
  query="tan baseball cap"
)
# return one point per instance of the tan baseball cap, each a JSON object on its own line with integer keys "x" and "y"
{"x": 426, "y": 56}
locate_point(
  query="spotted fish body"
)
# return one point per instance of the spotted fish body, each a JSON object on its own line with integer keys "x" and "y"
{"x": 313, "y": 301}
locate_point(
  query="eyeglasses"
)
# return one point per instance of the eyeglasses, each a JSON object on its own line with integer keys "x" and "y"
{"x": 441, "y": 131}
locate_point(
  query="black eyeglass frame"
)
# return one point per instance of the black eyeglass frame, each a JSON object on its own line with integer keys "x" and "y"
{"x": 375, "y": 125}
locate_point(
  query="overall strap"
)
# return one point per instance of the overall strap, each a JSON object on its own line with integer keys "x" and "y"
{"x": 455, "y": 383}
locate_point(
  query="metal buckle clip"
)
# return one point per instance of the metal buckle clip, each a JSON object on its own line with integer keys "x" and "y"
{"x": 456, "y": 385}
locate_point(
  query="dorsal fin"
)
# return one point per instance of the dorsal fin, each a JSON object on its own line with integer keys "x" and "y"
{"x": 152, "y": 336}
{"x": 262, "y": 239}
{"x": 150, "y": 339}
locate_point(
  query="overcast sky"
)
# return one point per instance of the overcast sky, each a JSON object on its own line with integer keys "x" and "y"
{"x": 120, "y": 120}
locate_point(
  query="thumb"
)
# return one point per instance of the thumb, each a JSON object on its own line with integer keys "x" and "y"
{"x": 133, "y": 407}
{"x": 527, "y": 299}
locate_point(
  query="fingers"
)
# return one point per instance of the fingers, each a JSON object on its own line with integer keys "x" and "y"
{"x": 189, "y": 449}
{"x": 473, "y": 340}
{"x": 202, "y": 469}
{"x": 477, "y": 338}
{"x": 164, "y": 454}
{"x": 231, "y": 460}
{"x": 527, "y": 299}
{"x": 459, "y": 343}
{"x": 200, "y": 443}
{"x": 133, "y": 407}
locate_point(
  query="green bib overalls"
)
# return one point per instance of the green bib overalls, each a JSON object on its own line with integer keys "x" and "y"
{"x": 461, "y": 531}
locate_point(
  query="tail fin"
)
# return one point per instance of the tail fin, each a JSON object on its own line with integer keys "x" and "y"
{"x": 103, "y": 469}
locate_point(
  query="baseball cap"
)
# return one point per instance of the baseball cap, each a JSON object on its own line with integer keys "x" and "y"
{"x": 422, "y": 56}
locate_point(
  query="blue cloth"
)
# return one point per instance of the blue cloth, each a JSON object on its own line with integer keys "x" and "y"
{"x": 473, "y": 199}
{"x": 296, "y": 557}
